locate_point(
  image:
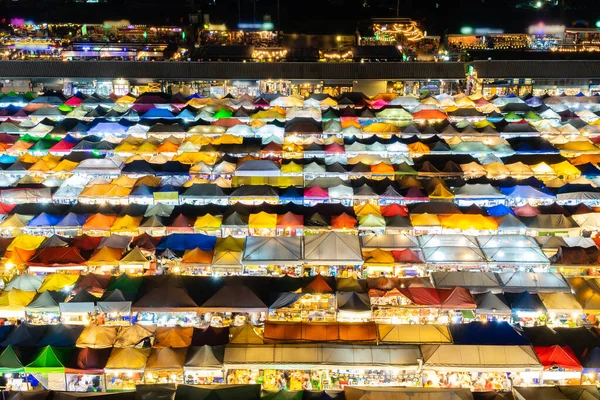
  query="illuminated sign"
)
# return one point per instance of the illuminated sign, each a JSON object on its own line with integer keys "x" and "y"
{"x": 265, "y": 26}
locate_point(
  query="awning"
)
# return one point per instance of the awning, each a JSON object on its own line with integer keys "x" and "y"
{"x": 465, "y": 358}
{"x": 309, "y": 356}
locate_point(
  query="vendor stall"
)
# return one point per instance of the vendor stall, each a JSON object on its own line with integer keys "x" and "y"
{"x": 561, "y": 366}
{"x": 204, "y": 366}
{"x": 322, "y": 366}
{"x": 272, "y": 255}
{"x": 233, "y": 305}
{"x": 125, "y": 367}
{"x": 165, "y": 365}
{"x": 86, "y": 368}
{"x": 333, "y": 254}
{"x": 479, "y": 368}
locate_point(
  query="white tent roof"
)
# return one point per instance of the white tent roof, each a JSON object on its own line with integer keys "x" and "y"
{"x": 332, "y": 248}
{"x": 449, "y": 357}
{"x": 533, "y": 282}
{"x": 307, "y": 356}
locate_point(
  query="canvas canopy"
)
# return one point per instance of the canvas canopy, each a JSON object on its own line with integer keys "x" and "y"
{"x": 450, "y": 357}
{"x": 332, "y": 248}
{"x": 307, "y": 356}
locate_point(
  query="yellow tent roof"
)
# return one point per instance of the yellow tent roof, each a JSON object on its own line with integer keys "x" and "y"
{"x": 16, "y": 299}
{"x": 196, "y": 157}
{"x": 125, "y": 181}
{"x": 440, "y": 192}
{"x": 380, "y": 127}
{"x": 16, "y": 221}
{"x": 424, "y": 220}
{"x": 126, "y": 223}
{"x": 106, "y": 256}
{"x": 542, "y": 169}
{"x": 262, "y": 220}
{"x": 519, "y": 168}
{"x": 483, "y": 123}
{"x": 579, "y": 146}
{"x": 378, "y": 257}
{"x": 229, "y": 243}
{"x": 367, "y": 209}
{"x": 126, "y": 147}
{"x": 268, "y": 114}
{"x": 246, "y": 334}
{"x": 57, "y": 282}
{"x": 418, "y": 147}
{"x": 147, "y": 148}
{"x": 328, "y": 102}
{"x": 65, "y": 166}
{"x": 127, "y": 99}
{"x": 468, "y": 221}
{"x": 105, "y": 190}
{"x": 496, "y": 169}
{"x": 127, "y": 359}
{"x": 208, "y": 221}
{"x": 291, "y": 168}
{"x": 26, "y": 242}
{"x": 565, "y": 168}
{"x": 228, "y": 138}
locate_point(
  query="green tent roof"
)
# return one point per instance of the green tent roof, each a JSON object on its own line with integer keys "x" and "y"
{"x": 9, "y": 361}
{"x": 222, "y": 114}
{"x": 28, "y": 138}
{"x": 530, "y": 116}
{"x": 512, "y": 117}
{"x": 126, "y": 283}
{"x": 50, "y": 359}
{"x": 65, "y": 108}
{"x": 405, "y": 169}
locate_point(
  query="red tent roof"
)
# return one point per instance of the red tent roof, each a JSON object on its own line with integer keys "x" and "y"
{"x": 86, "y": 242}
{"x": 60, "y": 256}
{"x": 394, "y": 209}
{"x": 315, "y": 191}
{"x": 423, "y": 296}
{"x": 456, "y": 299}
{"x": 406, "y": 256}
{"x": 557, "y": 356}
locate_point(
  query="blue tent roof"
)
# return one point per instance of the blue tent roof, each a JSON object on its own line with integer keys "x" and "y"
{"x": 489, "y": 333}
{"x": 291, "y": 194}
{"x": 6, "y": 159}
{"x": 591, "y": 361}
{"x": 45, "y": 220}
{"x": 108, "y": 127}
{"x": 61, "y": 335}
{"x": 525, "y": 192}
{"x": 187, "y": 241}
{"x": 143, "y": 191}
{"x": 499, "y": 210}
{"x": 589, "y": 170}
{"x": 72, "y": 219}
{"x": 186, "y": 115}
{"x": 525, "y": 301}
{"x": 158, "y": 113}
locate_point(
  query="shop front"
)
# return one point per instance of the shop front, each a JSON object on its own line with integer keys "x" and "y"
{"x": 298, "y": 367}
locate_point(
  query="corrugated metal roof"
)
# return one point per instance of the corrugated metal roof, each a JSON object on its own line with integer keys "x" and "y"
{"x": 230, "y": 70}
{"x": 538, "y": 69}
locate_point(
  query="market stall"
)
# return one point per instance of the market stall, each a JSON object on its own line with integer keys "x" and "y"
{"x": 124, "y": 368}
{"x": 165, "y": 365}
{"x": 233, "y": 305}
{"x": 479, "y": 368}
{"x": 204, "y": 365}
{"x": 272, "y": 255}
{"x": 305, "y": 365}
{"x": 333, "y": 254}
{"x": 561, "y": 366}
{"x": 86, "y": 368}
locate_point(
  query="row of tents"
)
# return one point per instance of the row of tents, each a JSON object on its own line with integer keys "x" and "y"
{"x": 484, "y": 293}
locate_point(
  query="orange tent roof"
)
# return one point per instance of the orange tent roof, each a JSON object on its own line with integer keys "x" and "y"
{"x": 99, "y": 222}
{"x": 318, "y": 285}
{"x": 367, "y": 209}
{"x": 418, "y": 147}
{"x": 176, "y": 337}
{"x": 382, "y": 168}
{"x": 378, "y": 256}
{"x": 197, "y": 256}
{"x": 343, "y": 221}
{"x": 429, "y": 115}
{"x": 290, "y": 220}
{"x": 167, "y": 147}
{"x": 394, "y": 209}
{"x": 18, "y": 256}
